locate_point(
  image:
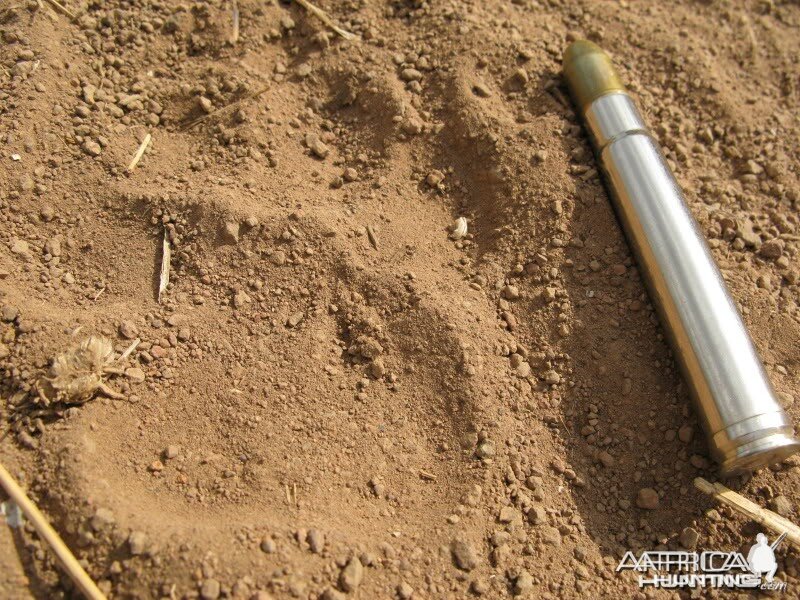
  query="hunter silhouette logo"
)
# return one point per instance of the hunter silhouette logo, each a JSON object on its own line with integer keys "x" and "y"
{"x": 672, "y": 569}
{"x": 761, "y": 557}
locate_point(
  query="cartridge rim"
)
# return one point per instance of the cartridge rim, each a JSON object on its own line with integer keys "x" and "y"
{"x": 759, "y": 453}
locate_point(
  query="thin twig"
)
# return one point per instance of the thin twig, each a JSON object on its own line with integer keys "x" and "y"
{"x": 166, "y": 258}
{"x": 323, "y": 16}
{"x": 139, "y": 153}
{"x": 62, "y": 9}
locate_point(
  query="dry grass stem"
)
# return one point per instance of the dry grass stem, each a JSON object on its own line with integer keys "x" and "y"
{"x": 742, "y": 505}
{"x": 129, "y": 350}
{"x": 235, "y": 19}
{"x": 140, "y": 152}
{"x": 46, "y": 532}
{"x": 325, "y": 18}
{"x": 372, "y": 236}
{"x": 166, "y": 259}
{"x": 62, "y": 9}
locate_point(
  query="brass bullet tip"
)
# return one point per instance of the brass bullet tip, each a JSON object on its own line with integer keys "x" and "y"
{"x": 589, "y": 73}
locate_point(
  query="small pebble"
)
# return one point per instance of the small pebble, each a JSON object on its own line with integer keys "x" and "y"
{"x": 352, "y": 575}
{"x": 464, "y": 555}
{"x": 210, "y": 589}
{"x": 689, "y": 537}
{"x": 647, "y": 498}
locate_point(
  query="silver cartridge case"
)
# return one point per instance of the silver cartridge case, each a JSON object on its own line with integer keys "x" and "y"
{"x": 744, "y": 423}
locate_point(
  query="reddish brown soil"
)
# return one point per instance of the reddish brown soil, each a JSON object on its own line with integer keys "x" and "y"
{"x": 340, "y": 382}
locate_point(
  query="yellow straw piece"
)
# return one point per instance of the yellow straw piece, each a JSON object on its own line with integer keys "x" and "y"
{"x": 48, "y": 534}
{"x": 760, "y": 515}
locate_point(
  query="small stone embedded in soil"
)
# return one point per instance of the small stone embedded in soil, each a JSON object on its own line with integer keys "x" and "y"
{"x": 781, "y": 505}
{"x": 26, "y": 183}
{"x": 137, "y": 541}
{"x": 91, "y": 148}
{"x": 509, "y": 514}
{"x": 537, "y": 515}
{"x": 479, "y": 587}
{"x": 771, "y": 249}
{"x": 689, "y": 537}
{"x": 481, "y": 89}
{"x": 551, "y": 377}
{"x": 317, "y": 146}
{"x": 510, "y": 292}
{"x": 53, "y": 246}
{"x": 205, "y": 104}
{"x": 210, "y": 589}
{"x": 647, "y": 498}
{"x": 128, "y": 329}
{"x": 464, "y": 555}
{"x": 241, "y": 298}
{"x": 230, "y": 232}
{"x": 606, "y": 459}
{"x": 485, "y": 450}
{"x": 27, "y": 440}
{"x": 135, "y": 374}
{"x": 551, "y": 536}
{"x": 405, "y": 591}
{"x": 410, "y": 75}
{"x": 352, "y": 575}
{"x": 20, "y": 247}
{"x": 316, "y": 540}
{"x": 294, "y": 319}
{"x": 786, "y": 399}
{"x": 434, "y": 178}
{"x": 268, "y": 545}
{"x": 332, "y": 594}
{"x": 101, "y": 519}
{"x": 523, "y": 583}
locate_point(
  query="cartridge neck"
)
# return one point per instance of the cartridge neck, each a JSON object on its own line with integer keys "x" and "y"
{"x": 611, "y": 116}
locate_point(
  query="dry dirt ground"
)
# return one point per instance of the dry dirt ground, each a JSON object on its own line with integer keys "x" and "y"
{"x": 336, "y": 397}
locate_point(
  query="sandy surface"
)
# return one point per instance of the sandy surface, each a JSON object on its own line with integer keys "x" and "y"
{"x": 335, "y": 398}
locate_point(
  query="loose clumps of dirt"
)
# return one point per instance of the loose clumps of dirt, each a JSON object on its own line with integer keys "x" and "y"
{"x": 404, "y": 351}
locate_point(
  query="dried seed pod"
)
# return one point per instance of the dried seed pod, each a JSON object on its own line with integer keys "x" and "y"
{"x": 77, "y": 374}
